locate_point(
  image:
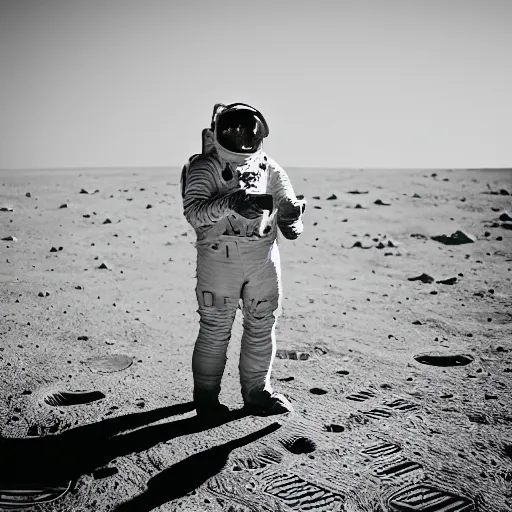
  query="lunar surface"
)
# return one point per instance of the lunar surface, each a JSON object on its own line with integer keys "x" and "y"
{"x": 394, "y": 347}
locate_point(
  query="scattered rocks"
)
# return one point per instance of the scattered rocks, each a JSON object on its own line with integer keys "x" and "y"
{"x": 294, "y": 355}
{"x": 457, "y": 238}
{"x": 449, "y": 281}
{"x": 424, "y": 278}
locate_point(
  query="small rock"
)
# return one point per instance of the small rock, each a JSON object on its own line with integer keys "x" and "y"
{"x": 457, "y": 238}
{"x": 28, "y": 194}
{"x": 78, "y": 287}
{"x": 44, "y": 294}
{"x": 506, "y": 225}
{"x": 332, "y": 197}
{"x": 433, "y": 292}
{"x": 65, "y": 205}
{"x": 417, "y": 322}
{"x": 490, "y": 396}
{"x": 149, "y": 206}
{"x": 504, "y": 192}
{"x": 10, "y": 239}
{"x": 358, "y": 207}
{"x": 107, "y": 221}
{"x": 86, "y": 215}
{"x": 83, "y": 191}
{"x": 381, "y": 203}
{"x": 450, "y": 281}
{"x": 316, "y": 197}
{"x": 53, "y": 249}
{"x": 424, "y": 278}
{"x": 505, "y": 216}
{"x": 83, "y": 338}
{"x": 6, "y": 209}
{"x": 419, "y": 236}
{"x": 104, "y": 266}
{"x": 417, "y": 196}
{"x": 357, "y": 192}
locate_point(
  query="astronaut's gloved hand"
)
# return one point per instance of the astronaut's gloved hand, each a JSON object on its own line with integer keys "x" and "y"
{"x": 290, "y": 211}
{"x": 245, "y": 205}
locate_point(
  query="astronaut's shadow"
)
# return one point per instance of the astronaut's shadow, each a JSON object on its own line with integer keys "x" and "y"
{"x": 187, "y": 475}
{"x": 53, "y": 460}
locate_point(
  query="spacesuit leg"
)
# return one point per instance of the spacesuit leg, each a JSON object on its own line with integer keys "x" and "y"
{"x": 262, "y": 305}
{"x": 219, "y": 284}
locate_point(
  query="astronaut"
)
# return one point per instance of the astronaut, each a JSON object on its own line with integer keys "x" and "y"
{"x": 236, "y": 198}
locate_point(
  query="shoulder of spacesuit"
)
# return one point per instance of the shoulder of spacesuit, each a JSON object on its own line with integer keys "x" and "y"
{"x": 207, "y": 163}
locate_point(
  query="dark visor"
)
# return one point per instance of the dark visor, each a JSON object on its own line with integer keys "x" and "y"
{"x": 240, "y": 128}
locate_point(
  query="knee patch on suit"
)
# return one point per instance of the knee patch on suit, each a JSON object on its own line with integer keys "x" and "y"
{"x": 259, "y": 309}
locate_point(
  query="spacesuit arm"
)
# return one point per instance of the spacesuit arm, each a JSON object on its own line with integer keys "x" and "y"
{"x": 202, "y": 205}
{"x": 289, "y": 208}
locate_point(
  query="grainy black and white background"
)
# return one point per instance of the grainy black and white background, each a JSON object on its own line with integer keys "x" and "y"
{"x": 393, "y": 120}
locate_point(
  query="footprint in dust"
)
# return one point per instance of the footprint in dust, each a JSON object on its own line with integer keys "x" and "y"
{"x": 397, "y": 468}
{"x": 381, "y": 450}
{"x": 261, "y": 460}
{"x": 425, "y": 497}
{"x": 300, "y": 495}
{"x": 377, "y": 413}
{"x": 439, "y": 359}
{"x": 400, "y": 404}
{"x": 360, "y": 396}
{"x": 67, "y": 398}
{"x": 294, "y": 355}
{"x": 299, "y": 445}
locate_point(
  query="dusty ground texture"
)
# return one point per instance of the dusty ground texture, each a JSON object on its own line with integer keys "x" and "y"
{"x": 374, "y": 429}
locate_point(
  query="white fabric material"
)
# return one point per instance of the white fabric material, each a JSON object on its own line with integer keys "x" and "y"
{"x": 236, "y": 259}
{"x": 226, "y": 272}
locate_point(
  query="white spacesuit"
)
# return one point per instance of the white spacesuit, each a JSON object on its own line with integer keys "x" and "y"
{"x": 237, "y": 254}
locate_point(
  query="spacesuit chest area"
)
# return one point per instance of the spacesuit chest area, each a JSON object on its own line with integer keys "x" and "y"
{"x": 253, "y": 177}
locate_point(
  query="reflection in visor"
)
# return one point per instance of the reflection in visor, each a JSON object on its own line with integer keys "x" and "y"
{"x": 240, "y": 131}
